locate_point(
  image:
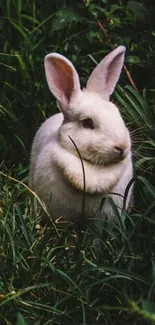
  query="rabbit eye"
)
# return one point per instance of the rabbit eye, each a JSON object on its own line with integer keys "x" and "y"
{"x": 88, "y": 123}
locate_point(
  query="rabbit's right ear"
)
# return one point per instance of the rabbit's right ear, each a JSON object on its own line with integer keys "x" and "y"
{"x": 105, "y": 76}
{"x": 62, "y": 79}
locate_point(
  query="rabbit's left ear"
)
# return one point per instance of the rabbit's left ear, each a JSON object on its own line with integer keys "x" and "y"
{"x": 105, "y": 76}
{"x": 62, "y": 79}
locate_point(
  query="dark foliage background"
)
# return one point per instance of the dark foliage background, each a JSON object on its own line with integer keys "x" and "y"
{"x": 48, "y": 274}
{"x": 30, "y": 30}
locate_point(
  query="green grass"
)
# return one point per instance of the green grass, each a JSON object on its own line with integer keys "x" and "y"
{"x": 49, "y": 272}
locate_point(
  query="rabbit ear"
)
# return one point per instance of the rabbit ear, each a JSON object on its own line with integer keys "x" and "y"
{"x": 105, "y": 76}
{"x": 62, "y": 78}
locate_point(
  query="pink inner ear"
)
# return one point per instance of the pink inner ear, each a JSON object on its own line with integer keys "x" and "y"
{"x": 113, "y": 73}
{"x": 63, "y": 78}
{"x": 105, "y": 76}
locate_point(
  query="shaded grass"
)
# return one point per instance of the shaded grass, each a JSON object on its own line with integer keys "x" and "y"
{"x": 139, "y": 114}
{"x": 51, "y": 277}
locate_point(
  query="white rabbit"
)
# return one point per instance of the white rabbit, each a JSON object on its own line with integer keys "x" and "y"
{"x": 96, "y": 128}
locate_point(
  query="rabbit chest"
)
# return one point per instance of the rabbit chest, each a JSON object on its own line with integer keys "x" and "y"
{"x": 62, "y": 199}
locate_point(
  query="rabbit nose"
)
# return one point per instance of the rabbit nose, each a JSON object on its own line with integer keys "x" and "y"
{"x": 122, "y": 151}
{"x": 119, "y": 150}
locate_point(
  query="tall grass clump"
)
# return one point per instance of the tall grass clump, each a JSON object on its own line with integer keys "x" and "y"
{"x": 51, "y": 273}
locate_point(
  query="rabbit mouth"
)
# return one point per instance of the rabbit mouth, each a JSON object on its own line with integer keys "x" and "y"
{"x": 105, "y": 159}
{"x": 113, "y": 159}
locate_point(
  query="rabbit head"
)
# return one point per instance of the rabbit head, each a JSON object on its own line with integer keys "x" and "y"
{"x": 90, "y": 119}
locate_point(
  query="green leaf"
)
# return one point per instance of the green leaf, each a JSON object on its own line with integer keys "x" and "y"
{"x": 5, "y": 110}
{"x": 8, "y": 6}
{"x": 20, "y": 320}
{"x": 153, "y": 269}
{"x": 147, "y": 315}
{"x": 133, "y": 59}
{"x": 116, "y": 20}
{"x": 64, "y": 17}
{"x": 22, "y": 64}
{"x": 19, "y": 28}
{"x": 137, "y": 8}
{"x": 148, "y": 306}
{"x": 19, "y": 5}
{"x": 113, "y": 8}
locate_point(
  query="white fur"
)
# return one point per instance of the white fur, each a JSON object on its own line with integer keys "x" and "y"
{"x": 56, "y": 171}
